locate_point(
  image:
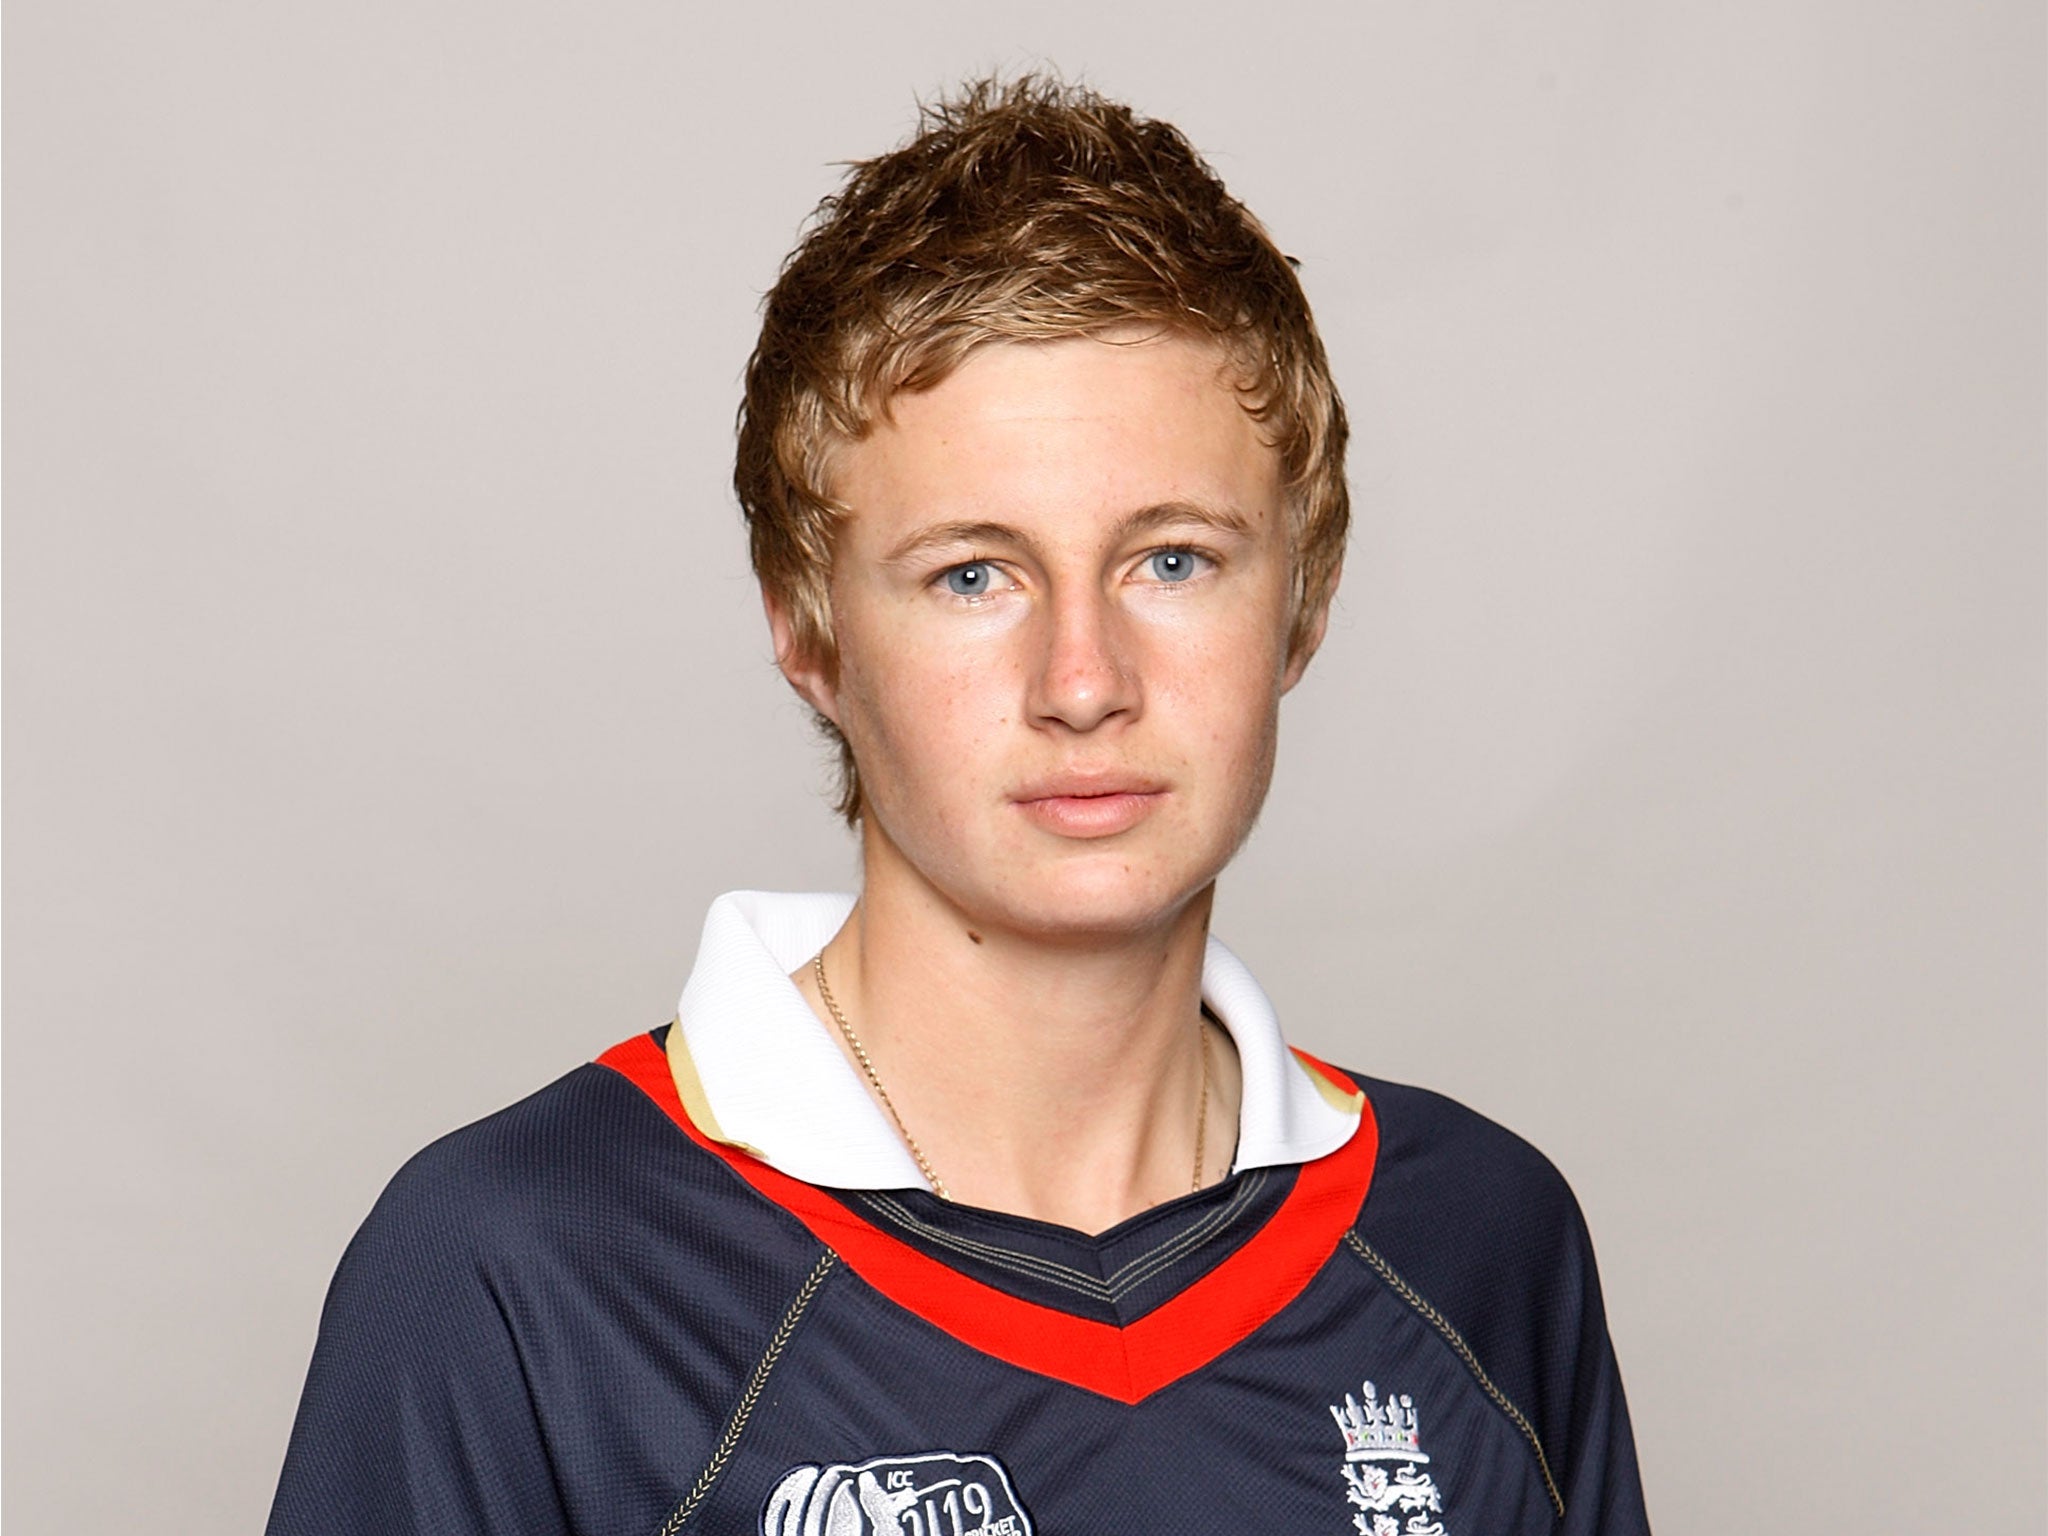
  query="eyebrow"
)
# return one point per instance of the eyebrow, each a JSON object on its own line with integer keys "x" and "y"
{"x": 1152, "y": 519}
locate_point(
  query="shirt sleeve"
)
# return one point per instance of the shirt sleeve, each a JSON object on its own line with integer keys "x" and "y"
{"x": 416, "y": 1416}
{"x": 1600, "y": 1483}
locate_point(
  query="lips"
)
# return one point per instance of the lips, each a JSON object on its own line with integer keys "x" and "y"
{"x": 1089, "y": 805}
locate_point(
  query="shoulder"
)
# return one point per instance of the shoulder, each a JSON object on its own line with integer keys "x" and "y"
{"x": 576, "y": 1200}
{"x": 497, "y": 1181}
{"x": 571, "y": 1261}
{"x": 500, "y": 1248}
{"x": 1481, "y": 1233}
{"x": 1470, "y": 1214}
{"x": 584, "y": 1175}
{"x": 1451, "y": 1172}
{"x": 473, "y": 1214}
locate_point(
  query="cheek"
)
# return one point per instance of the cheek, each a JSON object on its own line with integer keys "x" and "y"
{"x": 922, "y": 719}
{"x": 1226, "y": 688}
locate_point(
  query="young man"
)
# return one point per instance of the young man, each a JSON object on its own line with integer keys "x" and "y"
{"x": 992, "y": 1201}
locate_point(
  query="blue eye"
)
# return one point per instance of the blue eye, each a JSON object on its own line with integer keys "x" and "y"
{"x": 1172, "y": 565}
{"x": 969, "y": 580}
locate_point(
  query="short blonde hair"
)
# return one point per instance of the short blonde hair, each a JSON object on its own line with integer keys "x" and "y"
{"x": 1026, "y": 210}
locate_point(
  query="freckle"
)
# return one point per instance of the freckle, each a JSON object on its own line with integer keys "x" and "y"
{"x": 974, "y": 936}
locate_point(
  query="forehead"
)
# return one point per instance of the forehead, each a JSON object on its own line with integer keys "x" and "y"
{"x": 1063, "y": 433}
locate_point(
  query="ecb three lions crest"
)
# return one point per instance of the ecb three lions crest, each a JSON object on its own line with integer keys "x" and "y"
{"x": 938, "y": 1493}
{"x": 1389, "y": 1493}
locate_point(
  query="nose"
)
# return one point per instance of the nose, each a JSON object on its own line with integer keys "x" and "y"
{"x": 1085, "y": 674}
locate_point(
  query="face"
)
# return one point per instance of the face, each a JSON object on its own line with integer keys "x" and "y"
{"x": 1061, "y": 604}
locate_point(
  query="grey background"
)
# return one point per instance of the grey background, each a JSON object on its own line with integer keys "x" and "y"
{"x": 387, "y": 695}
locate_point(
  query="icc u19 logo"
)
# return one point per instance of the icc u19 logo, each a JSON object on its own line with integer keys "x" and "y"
{"x": 934, "y": 1494}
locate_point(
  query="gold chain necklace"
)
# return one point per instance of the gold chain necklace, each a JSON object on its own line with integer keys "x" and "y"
{"x": 924, "y": 1164}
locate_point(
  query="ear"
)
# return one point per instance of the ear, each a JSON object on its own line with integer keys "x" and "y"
{"x": 1311, "y": 641}
{"x": 807, "y": 674}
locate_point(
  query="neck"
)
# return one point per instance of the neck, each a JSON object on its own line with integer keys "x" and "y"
{"x": 1058, "y": 1079}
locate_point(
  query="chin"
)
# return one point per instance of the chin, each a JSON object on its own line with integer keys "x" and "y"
{"x": 1101, "y": 897}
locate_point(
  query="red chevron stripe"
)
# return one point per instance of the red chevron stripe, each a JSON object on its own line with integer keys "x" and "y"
{"x": 1128, "y": 1364}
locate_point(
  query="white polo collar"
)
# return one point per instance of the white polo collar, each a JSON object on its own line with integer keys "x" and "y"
{"x": 756, "y": 1069}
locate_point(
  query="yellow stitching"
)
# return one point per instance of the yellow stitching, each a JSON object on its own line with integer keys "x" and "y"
{"x": 1442, "y": 1325}
{"x": 702, "y": 1487}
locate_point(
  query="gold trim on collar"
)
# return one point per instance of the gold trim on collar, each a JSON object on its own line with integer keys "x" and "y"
{"x": 1337, "y": 1098}
{"x": 690, "y": 1089}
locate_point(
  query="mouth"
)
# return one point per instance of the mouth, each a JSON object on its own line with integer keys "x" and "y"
{"x": 1085, "y": 807}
